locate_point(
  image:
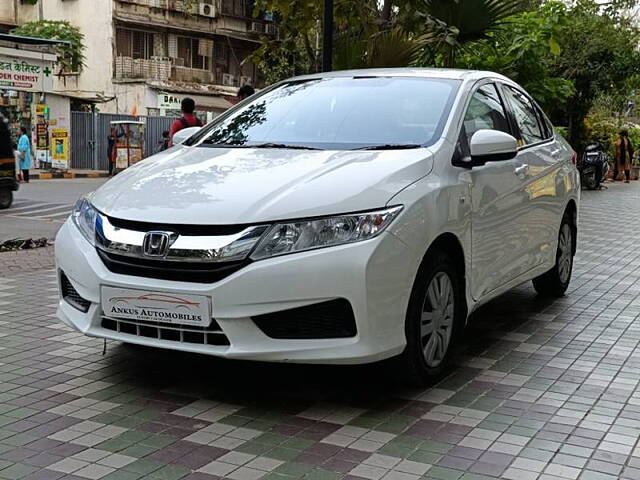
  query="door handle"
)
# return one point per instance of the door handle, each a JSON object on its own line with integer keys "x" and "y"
{"x": 522, "y": 170}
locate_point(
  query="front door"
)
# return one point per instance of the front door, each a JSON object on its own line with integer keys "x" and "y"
{"x": 543, "y": 159}
{"x": 499, "y": 201}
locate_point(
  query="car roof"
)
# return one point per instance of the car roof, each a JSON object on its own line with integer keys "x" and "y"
{"x": 446, "y": 73}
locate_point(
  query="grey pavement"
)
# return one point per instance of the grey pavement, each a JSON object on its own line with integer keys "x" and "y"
{"x": 41, "y": 206}
{"x": 538, "y": 390}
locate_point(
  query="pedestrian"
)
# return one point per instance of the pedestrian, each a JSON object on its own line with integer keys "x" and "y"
{"x": 245, "y": 91}
{"x": 188, "y": 119}
{"x": 624, "y": 155}
{"x": 164, "y": 141}
{"x": 111, "y": 146}
{"x": 24, "y": 149}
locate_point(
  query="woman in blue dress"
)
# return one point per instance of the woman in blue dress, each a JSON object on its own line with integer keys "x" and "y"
{"x": 24, "y": 149}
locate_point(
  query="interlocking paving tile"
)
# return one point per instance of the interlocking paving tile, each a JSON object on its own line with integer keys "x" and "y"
{"x": 538, "y": 389}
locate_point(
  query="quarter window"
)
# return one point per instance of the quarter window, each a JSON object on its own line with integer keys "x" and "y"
{"x": 485, "y": 111}
{"x": 525, "y": 117}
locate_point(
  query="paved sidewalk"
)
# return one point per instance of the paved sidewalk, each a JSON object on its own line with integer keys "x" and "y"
{"x": 20, "y": 261}
{"x": 540, "y": 390}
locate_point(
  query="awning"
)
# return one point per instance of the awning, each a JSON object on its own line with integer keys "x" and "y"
{"x": 85, "y": 96}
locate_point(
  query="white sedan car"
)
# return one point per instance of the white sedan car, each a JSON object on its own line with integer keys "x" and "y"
{"x": 342, "y": 218}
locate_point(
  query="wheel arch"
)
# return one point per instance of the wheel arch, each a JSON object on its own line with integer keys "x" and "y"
{"x": 450, "y": 244}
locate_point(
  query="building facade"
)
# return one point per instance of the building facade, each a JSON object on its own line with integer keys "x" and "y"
{"x": 143, "y": 56}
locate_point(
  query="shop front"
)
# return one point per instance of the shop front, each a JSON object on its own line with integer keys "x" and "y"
{"x": 26, "y": 83}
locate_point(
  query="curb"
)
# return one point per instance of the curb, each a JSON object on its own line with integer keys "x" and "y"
{"x": 52, "y": 175}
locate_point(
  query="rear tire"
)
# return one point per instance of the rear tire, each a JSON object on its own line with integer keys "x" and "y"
{"x": 6, "y": 198}
{"x": 435, "y": 316}
{"x": 555, "y": 282}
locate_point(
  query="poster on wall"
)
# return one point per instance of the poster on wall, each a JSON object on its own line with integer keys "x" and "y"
{"x": 60, "y": 148}
{"x": 42, "y": 135}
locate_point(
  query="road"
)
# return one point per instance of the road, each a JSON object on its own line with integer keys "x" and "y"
{"x": 41, "y": 206}
{"x": 538, "y": 390}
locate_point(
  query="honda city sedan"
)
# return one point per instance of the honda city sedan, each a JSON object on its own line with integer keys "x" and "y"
{"x": 339, "y": 218}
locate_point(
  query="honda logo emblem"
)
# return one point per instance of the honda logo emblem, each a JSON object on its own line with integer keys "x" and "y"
{"x": 156, "y": 244}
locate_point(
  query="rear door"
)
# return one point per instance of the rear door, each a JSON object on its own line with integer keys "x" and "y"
{"x": 541, "y": 159}
{"x": 498, "y": 197}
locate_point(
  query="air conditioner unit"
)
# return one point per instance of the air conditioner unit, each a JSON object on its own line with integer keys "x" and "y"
{"x": 207, "y": 10}
{"x": 270, "y": 28}
{"x": 228, "y": 79}
{"x": 245, "y": 81}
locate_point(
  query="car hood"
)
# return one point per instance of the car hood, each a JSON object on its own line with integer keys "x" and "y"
{"x": 200, "y": 185}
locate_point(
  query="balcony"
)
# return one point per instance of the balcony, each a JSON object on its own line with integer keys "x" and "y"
{"x": 155, "y": 68}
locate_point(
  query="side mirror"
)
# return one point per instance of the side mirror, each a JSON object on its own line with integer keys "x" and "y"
{"x": 181, "y": 135}
{"x": 492, "y": 146}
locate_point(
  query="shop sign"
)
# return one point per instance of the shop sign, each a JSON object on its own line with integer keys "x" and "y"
{"x": 25, "y": 74}
{"x": 168, "y": 101}
{"x": 59, "y": 147}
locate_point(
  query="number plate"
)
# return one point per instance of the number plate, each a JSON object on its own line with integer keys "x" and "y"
{"x": 164, "y": 307}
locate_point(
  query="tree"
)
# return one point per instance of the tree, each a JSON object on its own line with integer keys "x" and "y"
{"x": 451, "y": 25}
{"x": 525, "y": 49}
{"x": 70, "y": 55}
{"x": 297, "y": 50}
{"x": 599, "y": 55}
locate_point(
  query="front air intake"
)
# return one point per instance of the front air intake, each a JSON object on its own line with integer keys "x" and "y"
{"x": 332, "y": 319}
{"x": 71, "y": 295}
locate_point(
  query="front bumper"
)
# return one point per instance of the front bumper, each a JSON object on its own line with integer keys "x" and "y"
{"x": 375, "y": 276}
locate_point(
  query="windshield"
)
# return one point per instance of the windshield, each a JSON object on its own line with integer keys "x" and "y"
{"x": 339, "y": 113}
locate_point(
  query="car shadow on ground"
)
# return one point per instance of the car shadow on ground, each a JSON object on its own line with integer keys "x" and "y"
{"x": 494, "y": 331}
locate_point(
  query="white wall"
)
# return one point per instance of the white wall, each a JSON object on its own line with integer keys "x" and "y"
{"x": 94, "y": 19}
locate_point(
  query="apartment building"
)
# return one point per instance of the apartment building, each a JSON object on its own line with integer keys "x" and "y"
{"x": 143, "y": 56}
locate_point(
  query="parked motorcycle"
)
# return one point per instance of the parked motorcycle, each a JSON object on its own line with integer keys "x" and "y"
{"x": 594, "y": 166}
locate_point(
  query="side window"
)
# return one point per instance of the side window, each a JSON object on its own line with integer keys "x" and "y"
{"x": 485, "y": 110}
{"x": 525, "y": 117}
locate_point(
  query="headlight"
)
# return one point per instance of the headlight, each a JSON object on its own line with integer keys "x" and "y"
{"x": 84, "y": 216}
{"x": 297, "y": 236}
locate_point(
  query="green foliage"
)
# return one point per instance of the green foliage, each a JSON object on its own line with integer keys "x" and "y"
{"x": 388, "y": 48}
{"x": 450, "y": 26}
{"x": 599, "y": 54}
{"x": 524, "y": 49}
{"x": 70, "y": 56}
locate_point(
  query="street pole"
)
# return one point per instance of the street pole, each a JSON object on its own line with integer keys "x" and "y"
{"x": 327, "y": 36}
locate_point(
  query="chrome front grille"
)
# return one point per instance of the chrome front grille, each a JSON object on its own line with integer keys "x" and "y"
{"x": 211, "y": 335}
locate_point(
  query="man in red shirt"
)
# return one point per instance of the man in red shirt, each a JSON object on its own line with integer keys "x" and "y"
{"x": 187, "y": 120}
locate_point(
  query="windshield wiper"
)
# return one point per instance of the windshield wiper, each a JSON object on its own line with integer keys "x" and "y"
{"x": 280, "y": 145}
{"x": 260, "y": 145}
{"x": 390, "y": 146}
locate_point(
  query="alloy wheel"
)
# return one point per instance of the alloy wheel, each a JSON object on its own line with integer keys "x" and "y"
{"x": 564, "y": 253}
{"x": 437, "y": 319}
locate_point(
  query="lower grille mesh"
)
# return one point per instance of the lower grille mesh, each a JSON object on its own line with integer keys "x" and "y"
{"x": 332, "y": 319}
{"x": 211, "y": 335}
{"x": 71, "y": 295}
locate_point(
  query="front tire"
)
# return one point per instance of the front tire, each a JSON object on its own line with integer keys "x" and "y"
{"x": 6, "y": 198}
{"x": 555, "y": 282}
{"x": 435, "y": 315}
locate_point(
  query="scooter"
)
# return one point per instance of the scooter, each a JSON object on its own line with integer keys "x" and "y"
{"x": 594, "y": 167}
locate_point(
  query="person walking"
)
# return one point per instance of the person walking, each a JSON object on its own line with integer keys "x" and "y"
{"x": 111, "y": 145}
{"x": 24, "y": 152}
{"x": 188, "y": 119}
{"x": 624, "y": 155}
{"x": 245, "y": 92}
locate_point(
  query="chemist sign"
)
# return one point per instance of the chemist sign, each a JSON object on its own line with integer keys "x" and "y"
{"x": 18, "y": 73}
{"x": 167, "y": 101}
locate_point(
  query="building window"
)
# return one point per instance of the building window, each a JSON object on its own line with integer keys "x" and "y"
{"x": 134, "y": 43}
{"x": 195, "y": 53}
{"x": 239, "y": 8}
